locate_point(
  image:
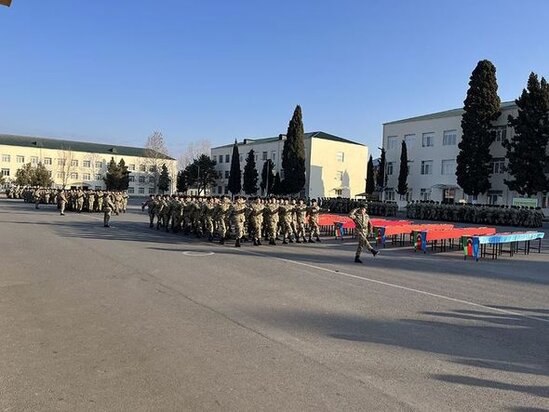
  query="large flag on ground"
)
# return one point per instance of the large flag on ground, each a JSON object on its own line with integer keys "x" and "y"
{"x": 5, "y": 3}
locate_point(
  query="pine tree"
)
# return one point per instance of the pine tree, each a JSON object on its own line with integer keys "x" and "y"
{"x": 182, "y": 184}
{"x": 250, "y": 174}
{"x": 381, "y": 171}
{"x": 481, "y": 108}
{"x": 164, "y": 179}
{"x": 235, "y": 175}
{"x": 370, "y": 178}
{"x": 526, "y": 151}
{"x": 201, "y": 173}
{"x": 42, "y": 176}
{"x": 402, "y": 187}
{"x": 267, "y": 177}
{"x": 293, "y": 155}
{"x": 124, "y": 176}
{"x": 112, "y": 177}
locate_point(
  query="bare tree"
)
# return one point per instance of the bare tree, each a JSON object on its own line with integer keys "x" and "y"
{"x": 193, "y": 151}
{"x": 156, "y": 153}
{"x": 64, "y": 164}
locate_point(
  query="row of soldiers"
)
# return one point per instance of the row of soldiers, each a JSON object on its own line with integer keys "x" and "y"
{"x": 475, "y": 213}
{"x": 255, "y": 218}
{"x": 344, "y": 205}
{"x": 76, "y": 200}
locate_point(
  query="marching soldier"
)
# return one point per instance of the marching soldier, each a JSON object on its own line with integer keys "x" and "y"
{"x": 363, "y": 227}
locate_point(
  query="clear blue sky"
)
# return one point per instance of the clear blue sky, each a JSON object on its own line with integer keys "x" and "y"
{"x": 116, "y": 70}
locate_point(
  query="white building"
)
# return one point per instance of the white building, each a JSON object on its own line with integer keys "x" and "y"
{"x": 81, "y": 164}
{"x": 432, "y": 143}
{"x": 334, "y": 166}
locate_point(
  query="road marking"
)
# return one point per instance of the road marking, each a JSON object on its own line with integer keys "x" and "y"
{"x": 393, "y": 285}
{"x": 197, "y": 253}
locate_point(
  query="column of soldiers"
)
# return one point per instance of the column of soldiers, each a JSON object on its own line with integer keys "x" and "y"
{"x": 256, "y": 218}
{"x": 476, "y": 213}
{"x": 75, "y": 200}
{"x": 344, "y": 205}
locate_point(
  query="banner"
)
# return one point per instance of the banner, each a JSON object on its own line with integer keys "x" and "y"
{"x": 524, "y": 201}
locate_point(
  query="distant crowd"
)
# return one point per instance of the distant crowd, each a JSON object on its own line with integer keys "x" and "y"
{"x": 475, "y": 213}
{"x": 345, "y": 205}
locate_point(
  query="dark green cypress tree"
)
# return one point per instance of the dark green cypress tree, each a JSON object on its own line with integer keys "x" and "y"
{"x": 276, "y": 189}
{"x": 267, "y": 177}
{"x": 293, "y": 155}
{"x": 482, "y": 107}
{"x": 235, "y": 175}
{"x": 124, "y": 176}
{"x": 250, "y": 174}
{"x": 526, "y": 151}
{"x": 182, "y": 182}
{"x": 402, "y": 187}
{"x": 370, "y": 178}
{"x": 112, "y": 177}
{"x": 164, "y": 179}
{"x": 380, "y": 177}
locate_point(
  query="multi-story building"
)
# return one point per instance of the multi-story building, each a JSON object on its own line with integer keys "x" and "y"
{"x": 81, "y": 164}
{"x": 334, "y": 166}
{"x": 432, "y": 142}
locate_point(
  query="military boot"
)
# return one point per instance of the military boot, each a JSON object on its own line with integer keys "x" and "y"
{"x": 357, "y": 259}
{"x": 237, "y": 243}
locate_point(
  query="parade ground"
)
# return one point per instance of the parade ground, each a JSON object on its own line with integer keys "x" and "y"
{"x": 131, "y": 318}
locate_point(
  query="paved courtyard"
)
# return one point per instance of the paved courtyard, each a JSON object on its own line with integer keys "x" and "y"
{"x": 130, "y": 318}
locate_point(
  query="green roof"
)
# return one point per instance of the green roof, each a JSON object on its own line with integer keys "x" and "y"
{"x": 447, "y": 113}
{"x": 75, "y": 146}
{"x": 316, "y": 135}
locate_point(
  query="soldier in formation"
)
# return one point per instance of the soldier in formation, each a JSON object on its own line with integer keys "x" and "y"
{"x": 476, "y": 213}
{"x": 345, "y": 205}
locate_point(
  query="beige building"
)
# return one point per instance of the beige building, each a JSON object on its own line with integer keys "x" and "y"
{"x": 334, "y": 166}
{"x": 81, "y": 164}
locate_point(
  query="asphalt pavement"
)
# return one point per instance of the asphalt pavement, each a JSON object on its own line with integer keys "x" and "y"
{"x": 131, "y": 318}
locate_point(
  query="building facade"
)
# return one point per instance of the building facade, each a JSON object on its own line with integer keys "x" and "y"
{"x": 432, "y": 142}
{"x": 78, "y": 164}
{"x": 334, "y": 166}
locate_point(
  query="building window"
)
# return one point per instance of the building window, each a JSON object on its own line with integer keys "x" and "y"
{"x": 220, "y": 158}
{"x": 264, "y": 156}
{"x": 448, "y": 167}
{"x": 226, "y": 174}
{"x": 151, "y": 179}
{"x": 131, "y": 178}
{"x": 339, "y": 176}
{"x": 151, "y": 190}
{"x": 34, "y": 160}
{"x": 86, "y": 176}
{"x": 74, "y": 176}
{"x": 131, "y": 190}
{"x": 392, "y": 142}
{"x": 97, "y": 187}
{"x": 273, "y": 155}
{"x": 428, "y": 139}
{"x": 495, "y": 197}
{"x": 20, "y": 159}
{"x": 410, "y": 164}
{"x": 410, "y": 140}
{"x": 390, "y": 166}
{"x": 98, "y": 165}
{"x": 98, "y": 177}
{"x": 47, "y": 160}
{"x": 219, "y": 189}
{"x": 141, "y": 190}
{"x": 60, "y": 175}
{"x": 427, "y": 167}
{"x": 226, "y": 190}
{"x": 340, "y": 157}
{"x": 142, "y": 168}
{"x": 74, "y": 163}
{"x": 86, "y": 163}
{"x": 5, "y": 172}
{"x": 449, "y": 138}
{"x": 390, "y": 195}
{"x": 61, "y": 162}
{"x": 338, "y": 192}
{"x": 131, "y": 166}
{"x": 227, "y": 158}
{"x": 6, "y": 158}
{"x": 498, "y": 165}
{"x": 425, "y": 194}
{"x": 141, "y": 179}
{"x": 501, "y": 133}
